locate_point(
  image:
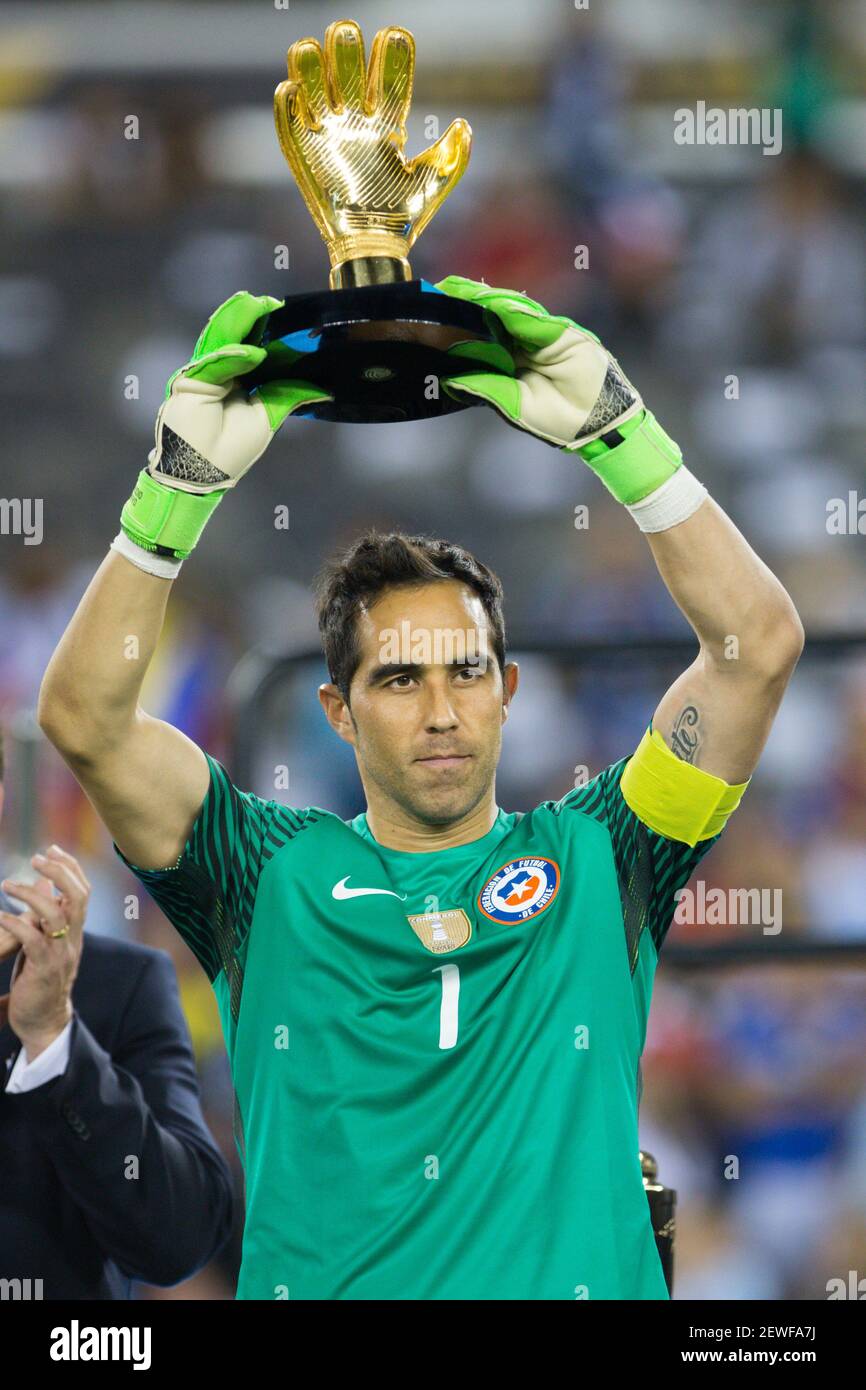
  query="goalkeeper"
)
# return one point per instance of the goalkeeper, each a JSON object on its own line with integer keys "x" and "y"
{"x": 435, "y": 1012}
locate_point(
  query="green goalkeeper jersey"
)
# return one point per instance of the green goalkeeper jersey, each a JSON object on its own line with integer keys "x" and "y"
{"x": 435, "y": 1056}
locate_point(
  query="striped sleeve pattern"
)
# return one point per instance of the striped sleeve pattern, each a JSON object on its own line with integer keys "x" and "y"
{"x": 209, "y": 894}
{"x": 650, "y": 868}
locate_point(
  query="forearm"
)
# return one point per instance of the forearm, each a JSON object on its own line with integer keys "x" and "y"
{"x": 145, "y": 778}
{"x": 92, "y": 684}
{"x": 743, "y": 617}
{"x": 718, "y": 714}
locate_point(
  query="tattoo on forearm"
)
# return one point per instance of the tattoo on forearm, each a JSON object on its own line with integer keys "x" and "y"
{"x": 686, "y": 735}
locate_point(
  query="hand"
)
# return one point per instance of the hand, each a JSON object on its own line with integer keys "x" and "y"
{"x": 569, "y": 391}
{"x": 342, "y": 129}
{"x": 209, "y": 432}
{"x": 39, "y": 1006}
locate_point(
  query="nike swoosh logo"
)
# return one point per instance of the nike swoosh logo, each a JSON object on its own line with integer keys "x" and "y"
{"x": 341, "y": 892}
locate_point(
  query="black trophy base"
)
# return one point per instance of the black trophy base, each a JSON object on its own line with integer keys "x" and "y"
{"x": 379, "y": 350}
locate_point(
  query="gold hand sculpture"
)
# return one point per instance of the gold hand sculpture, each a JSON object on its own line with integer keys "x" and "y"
{"x": 342, "y": 129}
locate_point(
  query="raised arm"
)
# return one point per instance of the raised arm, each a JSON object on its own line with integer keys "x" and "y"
{"x": 146, "y": 779}
{"x": 569, "y": 391}
{"x": 718, "y": 713}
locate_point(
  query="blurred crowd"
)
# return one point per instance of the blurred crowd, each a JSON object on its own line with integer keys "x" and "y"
{"x": 738, "y": 306}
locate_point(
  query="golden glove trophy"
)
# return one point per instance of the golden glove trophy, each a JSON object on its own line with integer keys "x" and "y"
{"x": 379, "y": 341}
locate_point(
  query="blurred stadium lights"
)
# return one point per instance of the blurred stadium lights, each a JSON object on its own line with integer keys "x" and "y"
{"x": 711, "y": 50}
{"x": 123, "y": 38}
{"x": 119, "y": 37}
{"x": 705, "y": 48}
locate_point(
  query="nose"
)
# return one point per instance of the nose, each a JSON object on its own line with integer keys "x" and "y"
{"x": 439, "y": 715}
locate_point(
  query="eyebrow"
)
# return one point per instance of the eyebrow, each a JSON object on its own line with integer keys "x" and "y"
{"x": 388, "y": 669}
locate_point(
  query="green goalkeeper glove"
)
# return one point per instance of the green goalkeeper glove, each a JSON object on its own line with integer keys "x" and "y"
{"x": 569, "y": 391}
{"x": 209, "y": 433}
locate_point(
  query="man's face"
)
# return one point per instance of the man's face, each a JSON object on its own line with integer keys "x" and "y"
{"x": 425, "y": 719}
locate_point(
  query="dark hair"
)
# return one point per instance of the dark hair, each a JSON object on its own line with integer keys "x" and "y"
{"x": 378, "y": 561}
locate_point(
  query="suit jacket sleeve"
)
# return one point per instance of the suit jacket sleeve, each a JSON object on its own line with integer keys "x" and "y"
{"x": 129, "y": 1142}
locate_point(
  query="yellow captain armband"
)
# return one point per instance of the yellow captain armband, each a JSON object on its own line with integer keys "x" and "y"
{"x": 674, "y": 798}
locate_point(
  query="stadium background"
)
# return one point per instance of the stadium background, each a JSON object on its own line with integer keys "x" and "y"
{"x": 703, "y": 262}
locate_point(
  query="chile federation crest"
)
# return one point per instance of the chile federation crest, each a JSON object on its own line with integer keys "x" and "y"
{"x": 522, "y": 888}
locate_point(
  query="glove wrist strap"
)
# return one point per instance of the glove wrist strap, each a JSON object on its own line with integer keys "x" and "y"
{"x": 166, "y": 520}
{"x": 635, "y": 459}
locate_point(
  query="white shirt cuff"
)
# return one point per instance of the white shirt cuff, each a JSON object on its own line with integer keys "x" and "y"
{"x": 160, "y": 565}
{"x": 26, "y": 1076}
{"x": 676, "y": 500}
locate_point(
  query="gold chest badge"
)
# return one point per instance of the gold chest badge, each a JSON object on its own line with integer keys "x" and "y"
{"x": 441, "y": 931}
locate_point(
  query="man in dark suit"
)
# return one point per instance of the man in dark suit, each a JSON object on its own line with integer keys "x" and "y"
{"x": 107, "y": 1170}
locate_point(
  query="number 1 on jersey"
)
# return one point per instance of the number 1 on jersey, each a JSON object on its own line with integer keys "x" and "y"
{"x": 448, "y": 1010}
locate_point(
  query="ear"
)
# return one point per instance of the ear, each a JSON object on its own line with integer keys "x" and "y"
{"x": 510, "y": 680}
{"x": 337, "y": 712}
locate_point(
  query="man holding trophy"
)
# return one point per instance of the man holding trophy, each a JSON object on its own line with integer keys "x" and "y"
{"x": 434, "y": 1012}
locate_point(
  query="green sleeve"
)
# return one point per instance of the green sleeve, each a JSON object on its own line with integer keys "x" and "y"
{"x": 209, "y": 894}
{"x": 650, "y": 868}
